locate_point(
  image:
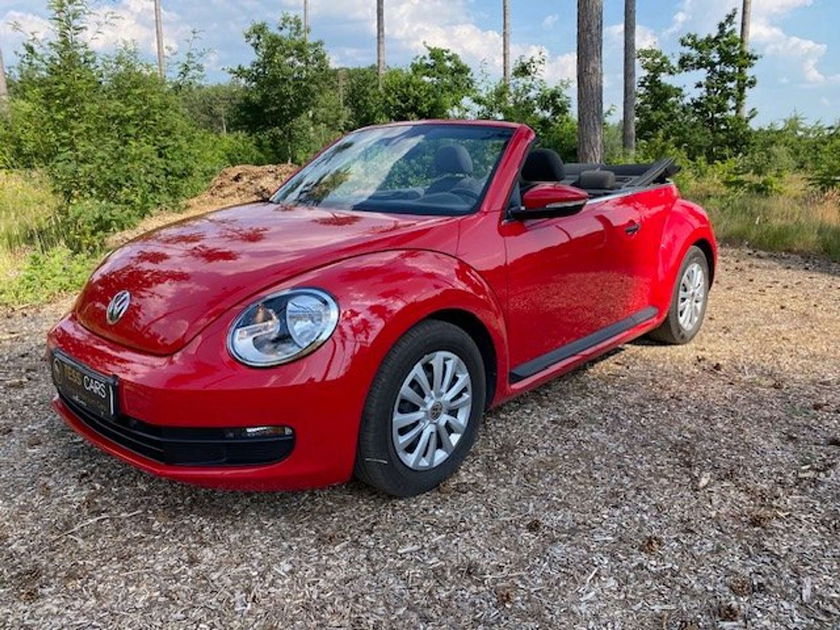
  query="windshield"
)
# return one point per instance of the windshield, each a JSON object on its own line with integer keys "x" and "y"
{"x": 415, "y": 169}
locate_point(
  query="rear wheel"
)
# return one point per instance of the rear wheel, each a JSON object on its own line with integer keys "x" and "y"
{"x": 688, "y": 303}
{"x": 422, "y": 411}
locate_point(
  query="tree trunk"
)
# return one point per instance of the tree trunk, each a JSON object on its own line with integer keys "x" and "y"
{"x": 590, "y": 74}
{"x": 629, "y": 128}
{"x": 506, "y": 41}
{"x": 4, "y": 88}
{"x": 746, "y": 14}
{"x": 380, "y": 38}
{"x": 159, "y": 33}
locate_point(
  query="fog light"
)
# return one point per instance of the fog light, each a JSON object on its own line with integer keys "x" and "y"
{"x": 258, "y": 432}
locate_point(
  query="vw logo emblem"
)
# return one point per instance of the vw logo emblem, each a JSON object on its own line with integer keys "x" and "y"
{"x": 118, "y": 306}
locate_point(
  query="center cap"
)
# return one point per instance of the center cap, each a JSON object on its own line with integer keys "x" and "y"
{"x": 436, "y": 410}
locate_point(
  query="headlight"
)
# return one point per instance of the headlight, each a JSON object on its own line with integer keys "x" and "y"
{"x": 282, "y": 327}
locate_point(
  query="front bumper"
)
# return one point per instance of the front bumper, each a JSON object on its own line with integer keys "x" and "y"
{"x": 201, "y": 390}
{"x": 185, "y": 446}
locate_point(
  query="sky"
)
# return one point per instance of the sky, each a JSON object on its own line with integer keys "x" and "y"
{"x": 799, "y": 69}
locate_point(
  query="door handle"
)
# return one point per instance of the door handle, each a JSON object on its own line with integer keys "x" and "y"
{"x": 632, "y": 227}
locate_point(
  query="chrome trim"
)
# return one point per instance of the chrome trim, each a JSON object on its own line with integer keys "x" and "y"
{"x": 329, "y": 328}
{"x": 624, "y": 193}
{"x": 117, "y": 307}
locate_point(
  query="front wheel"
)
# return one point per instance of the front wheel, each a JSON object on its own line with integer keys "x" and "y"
{"x": 688, "y": 303}
{"x": 422, "y": 411}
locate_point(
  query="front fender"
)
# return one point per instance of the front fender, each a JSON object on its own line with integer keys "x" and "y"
{"x": 383, "y": 295}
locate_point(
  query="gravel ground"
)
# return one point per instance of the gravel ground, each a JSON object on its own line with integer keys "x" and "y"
{"x": 690, "y": 487}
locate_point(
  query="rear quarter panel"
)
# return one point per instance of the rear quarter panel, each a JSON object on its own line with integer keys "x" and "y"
{"x": 686, "y": 224}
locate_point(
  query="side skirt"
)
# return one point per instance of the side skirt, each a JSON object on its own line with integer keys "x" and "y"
{"x": 545, "y": 361}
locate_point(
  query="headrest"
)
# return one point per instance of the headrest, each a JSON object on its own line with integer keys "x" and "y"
{"x": 543, "y": 165}
{"x": 453, "y": 158}
{"x": 596, "y": 180}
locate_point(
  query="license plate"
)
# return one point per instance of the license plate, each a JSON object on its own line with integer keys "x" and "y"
{"x": 94, "y": 392}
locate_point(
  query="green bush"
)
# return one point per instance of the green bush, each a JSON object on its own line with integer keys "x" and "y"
{"x": 825, "y": 174}
{"x": 237, "y": 148}
{"x": 45, "y": 275}
{"x": 763, "y": 186}
{"x": 27, "y": 208}
{"x": 108, "y": 132}
{"x": 86, "y": 222}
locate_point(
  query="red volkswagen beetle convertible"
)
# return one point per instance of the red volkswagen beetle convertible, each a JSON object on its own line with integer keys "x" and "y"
{"x": 363, "y": 319}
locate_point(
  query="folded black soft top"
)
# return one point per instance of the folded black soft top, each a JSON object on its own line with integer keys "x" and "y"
{"x": 628, "y": 175}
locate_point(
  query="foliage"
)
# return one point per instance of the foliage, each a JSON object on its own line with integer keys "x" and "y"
{"x": 212, "y": 107}
{"x": 705, "y": 122}
{"x": 437, "y": 84}
{"x": 825, "y": 173}
{"x": 724, "y": 68}
{"x": 448, "y": 82}
{"x": 661, "y": 109}
{"x": 46, "y": 274}
{"x": 361, "y": 97}
{"x": 531, "y": 100}
{"x": 27, "y": 207}
{"x": 282, "y": 85}
{"x": 104, "y": 128}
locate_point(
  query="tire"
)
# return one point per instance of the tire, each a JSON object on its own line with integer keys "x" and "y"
{"x": 432, "y": 345}
{"x": 673, "y": 330}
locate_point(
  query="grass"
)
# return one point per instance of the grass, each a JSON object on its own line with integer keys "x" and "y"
{"x": 35, "y": 266}
{"x": 792, "y": 220}
{"x": 27, "y": 208}
{"x": 38, "y": 277}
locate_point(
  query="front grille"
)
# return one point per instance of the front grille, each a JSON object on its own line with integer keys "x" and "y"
{"x": 183, "y": 446}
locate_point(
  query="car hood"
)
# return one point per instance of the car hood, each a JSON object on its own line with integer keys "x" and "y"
{"x": 184, "y": 276}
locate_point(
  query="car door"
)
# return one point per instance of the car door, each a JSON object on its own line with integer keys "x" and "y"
{"x": 635, "y": 238}
{"x": 558, "y": 283}
{"x": 627, "y": 275}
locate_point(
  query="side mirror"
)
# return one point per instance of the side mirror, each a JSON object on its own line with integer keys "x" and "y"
{"x": 550, "y": 200}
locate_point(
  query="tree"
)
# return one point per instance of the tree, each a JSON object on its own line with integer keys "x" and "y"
{"x": 380, "y": 38}
{"x": 161, "y": 59}
{"x": 213, "y": 107}
{"x": 662, "y": 114}
{"x": 434, "y": 86}
{"x": 112, "y": 137}
{"x": 449, "y": 77}
{"x": 506, "y": 40}
{"x": 288, "y": 78}
{"x": 723, "y": 68}
{"x": 4, "y": 88}
{"x": 529, "y": 99}
{"x": 629, "y": 126}
{"x": 590, "y": 80}
{"x": 363, "y": 98}
{"x": 746, "y": 14}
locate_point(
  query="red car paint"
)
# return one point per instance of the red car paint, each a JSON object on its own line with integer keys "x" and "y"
{"x": 530, "y": 286}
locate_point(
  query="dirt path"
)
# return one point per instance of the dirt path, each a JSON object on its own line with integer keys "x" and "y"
{"x": 660, "y": 487}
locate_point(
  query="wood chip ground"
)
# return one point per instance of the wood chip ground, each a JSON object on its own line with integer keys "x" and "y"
{"x": 661, "y": 487}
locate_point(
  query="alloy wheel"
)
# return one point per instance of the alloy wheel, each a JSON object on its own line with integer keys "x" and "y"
{"x": 692, "y": 297}
{"x": 432, "y": 410}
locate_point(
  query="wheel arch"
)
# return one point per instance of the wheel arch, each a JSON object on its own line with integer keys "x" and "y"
{"x": 708, "y": 251}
